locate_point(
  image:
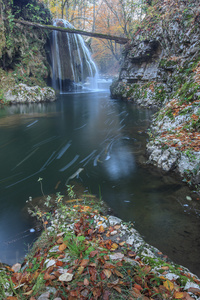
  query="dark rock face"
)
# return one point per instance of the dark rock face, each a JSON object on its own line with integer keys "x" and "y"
{"x": 141, "y": 62}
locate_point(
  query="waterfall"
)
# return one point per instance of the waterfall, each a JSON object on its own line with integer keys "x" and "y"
{"x": 72, "y": 66}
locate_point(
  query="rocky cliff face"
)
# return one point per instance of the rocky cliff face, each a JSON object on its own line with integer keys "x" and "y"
{"x": 161, "y": 68}
{"x": 22, "y": 49}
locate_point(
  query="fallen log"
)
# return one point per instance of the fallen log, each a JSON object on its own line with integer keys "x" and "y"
{"x": 117, "y": 39}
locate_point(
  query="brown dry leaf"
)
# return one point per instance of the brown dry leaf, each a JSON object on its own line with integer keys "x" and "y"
{"x": 122, "y": 243}
{"x": 165, "y": 268}
{"x": 84, "y": 262}
{"x": 107, "y": 272}
{"x": 11, "y": 298}
{"x": 86, "y": 282}
{"x": 59, "y": 241}
{"x": 113, "y": 247}
{"x": 187, "y": 296}
{"x": 118, "y": 273}
{"x": 92, "y": 265}
{"x": 193, "y": 290}
{"x": 135, "y": 293}
{"x": 117, "y": 227}
{"x": 93, "y": 273}
{"x": 62, "y": 247}
{"x": 47, "y": 276}
{"x": 101, "y": 229}
{"x": 93, "y": 253}
{"x": 106, "y": 295}
{"x": 117, "y": 288}
{"x": 147, "y": 269}
{"x": 96, "y": 292}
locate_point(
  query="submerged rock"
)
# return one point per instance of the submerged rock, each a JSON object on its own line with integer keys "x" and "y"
{"x": 25, "y": 94}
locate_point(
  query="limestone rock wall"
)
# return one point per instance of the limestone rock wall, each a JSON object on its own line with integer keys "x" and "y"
{"x": 161, "y": 68}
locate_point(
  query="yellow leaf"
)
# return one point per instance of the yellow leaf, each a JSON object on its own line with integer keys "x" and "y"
{"x": 114, "y": 247}
{"x": 28, "y": 293}
{"x": 168, "y": 285}
{"x": 178, "y": 295}
{"x": 80, "y": 270}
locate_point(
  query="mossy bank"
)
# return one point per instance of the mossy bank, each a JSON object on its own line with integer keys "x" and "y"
{"x": 23, "y": 57}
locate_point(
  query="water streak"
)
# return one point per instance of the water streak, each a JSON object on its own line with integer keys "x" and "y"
{"x": 70, "y": 163}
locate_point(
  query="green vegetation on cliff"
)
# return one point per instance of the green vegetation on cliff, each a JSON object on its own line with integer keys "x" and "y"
{"x": 22, "y": 50}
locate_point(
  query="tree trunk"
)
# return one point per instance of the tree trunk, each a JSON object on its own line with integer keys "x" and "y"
{"x": 117, "y": 39}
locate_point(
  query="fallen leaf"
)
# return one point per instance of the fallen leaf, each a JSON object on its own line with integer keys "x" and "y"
{"x": 59, "y": 241}
{"x": 168, "y": 285}
{"x": 118, "y": 273}
{"x": 117, "y": 288}
{"x": 107, "y": 272}
{"x": 80, "y": 270}
{"x": 101, "y": 229}
{"x": 138, "y": 287}
{"x": 86, "y": 282}
{"x": 62, "y": 247}
{"x": 93, "y": 273}
{"x": 66, "y": 277}
{"x": 135, "y": 293}
{"x": 117, "y": 227}
{"x": 193, "y": 290}
{"x": 84, "y": 262}
{"x": 113, "y": 247}
{"x": 106, "y": 295}
{"x": 28, "y": 293}
{"x": 93, "y": 253}
{"x": 165, "y": 268}
{"x": 122, "y": 243}
{"x": 85, "y": 293}
{"x": 178, "y": 295}
{"x": 59, "y": 263}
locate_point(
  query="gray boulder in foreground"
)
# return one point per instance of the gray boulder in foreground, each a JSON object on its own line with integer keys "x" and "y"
{"x": 25, "y": 94}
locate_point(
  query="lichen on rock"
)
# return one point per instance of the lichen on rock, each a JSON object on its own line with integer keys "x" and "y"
{"x": 24, "y": 94}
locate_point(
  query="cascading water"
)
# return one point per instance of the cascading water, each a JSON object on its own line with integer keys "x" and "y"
{"x": 72, "y": 66}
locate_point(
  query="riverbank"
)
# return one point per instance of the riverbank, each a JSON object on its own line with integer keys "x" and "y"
{"x": 161, "y": 68}
{"x": 84, "y": 253}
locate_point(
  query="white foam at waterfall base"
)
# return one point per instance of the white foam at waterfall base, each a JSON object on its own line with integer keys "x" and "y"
{"x": 75, "y": 64}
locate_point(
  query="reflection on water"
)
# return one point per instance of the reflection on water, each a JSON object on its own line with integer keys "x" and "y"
{"x": 100, "y": 143}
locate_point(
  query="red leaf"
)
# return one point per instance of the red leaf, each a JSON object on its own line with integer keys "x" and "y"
{"x": 93, "y": 273}
{"x": 93, "y": 253}
{"x": 59, "y": 263}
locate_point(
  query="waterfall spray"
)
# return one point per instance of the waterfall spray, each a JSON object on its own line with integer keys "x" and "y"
{"x": 72, "y": 66}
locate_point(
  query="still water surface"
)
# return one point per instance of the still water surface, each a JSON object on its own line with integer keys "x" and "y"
{"x": 106, "y": 138}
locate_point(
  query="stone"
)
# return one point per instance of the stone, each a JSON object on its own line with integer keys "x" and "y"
{"x": 23, "y": 93}
{"x": 114, "y": 220}
{"x": 44, "y": 296}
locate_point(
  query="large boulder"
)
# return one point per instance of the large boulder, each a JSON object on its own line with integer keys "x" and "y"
{"x": 25, "y": 94}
